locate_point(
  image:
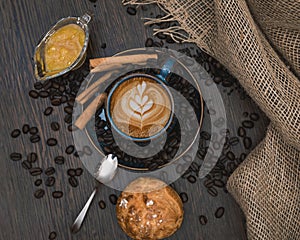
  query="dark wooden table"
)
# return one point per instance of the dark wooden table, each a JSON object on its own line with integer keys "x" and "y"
{"x": 23, "y": 216}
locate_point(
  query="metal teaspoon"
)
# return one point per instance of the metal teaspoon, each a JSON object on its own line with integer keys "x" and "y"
{"x": 104, "y": 174}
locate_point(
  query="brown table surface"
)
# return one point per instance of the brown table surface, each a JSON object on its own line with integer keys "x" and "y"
{"x": 22, "y": 216}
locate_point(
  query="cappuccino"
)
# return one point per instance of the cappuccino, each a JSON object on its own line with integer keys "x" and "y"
{"x": 140, "y": 107}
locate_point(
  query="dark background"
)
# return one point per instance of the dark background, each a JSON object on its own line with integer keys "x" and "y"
{"x": 22, "y": 216}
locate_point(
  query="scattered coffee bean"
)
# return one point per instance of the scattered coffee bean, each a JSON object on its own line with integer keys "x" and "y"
{"x": 55, "y": 126}
{"x": 241, "y": 132}
{"x": 33, "y": 94}
{"x": 70, "y": 149}
{"x": 212, "y": 191}
{"x": 208, "y": 183}
{"x": 39, "y": 193}
{"x": 51, "y": 142}
{"x": 32, "y": 157}
{"x": 203, "y": 220}
{"x": 192, "y": 179}
{"x": 78, "y": 171}
{"x": 38, "y": 85}
{"x": 35, "y": 138}
{"x": 68, "y": 110}
{"x": 43, "y": 94}
{"x": 15, "y": 156}
{"x": 131, "y": 10}
{"x": 35, "y": 171}
{"x": 56, "y": 101}
{"x": 59, "y": 160}
{"x": 26, "y": 164}
{"x": 52, "y": 235}
{"x": 184, "y": 197}
{"x": 219, "y": 212}
{"x": 113, "y": 199}
{"x": 149, "y": 42}
{"x": 230, "y": 155}
{"x": 15, "y": 133}
{"x": 248, "y": 124}
{"x": 71, "y": 172}
{"x": 73, "y": 181}
{"x": 102, "y": 204}
{"x": 50, "y": 181}
{"x": 49, "y": 171}
{"x": 48, "y": 111}
{"x": 57, "y": 194}
{"x": 254, "y": 116}
{"x": 25, "y": 128}
{"x": 247, "y": 142}
{"x": 38, "y": 182}
{"x": 219, "y": 183}
{"x": 33, "y": 130}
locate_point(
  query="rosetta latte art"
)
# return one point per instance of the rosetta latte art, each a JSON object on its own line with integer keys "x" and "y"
{"x": 140, "y": 107}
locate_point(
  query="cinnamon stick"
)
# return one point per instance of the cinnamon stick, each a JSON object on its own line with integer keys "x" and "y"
{"x": 90, "y": 111}
{"x": 135, "y": 58}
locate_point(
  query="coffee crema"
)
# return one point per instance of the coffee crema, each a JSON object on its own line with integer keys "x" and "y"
{"x": 140, "y": 107}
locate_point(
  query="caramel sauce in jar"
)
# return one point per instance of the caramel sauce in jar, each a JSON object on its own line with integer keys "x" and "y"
{"x": 63, "y": 47}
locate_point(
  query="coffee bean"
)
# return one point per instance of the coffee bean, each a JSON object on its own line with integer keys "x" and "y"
{"x": 48, "y": 111}
{"x": 219, "y": 212}
{"x": 78, "y": 171}
{"x": 242, "y": 157}
{"x": 38, "y": 182}
{"x": 15, "y": 133}
{"x": 203, "y": 220}
{"x": 195, "y": 167}
{"x": 47, "y": 84}
{"x": 241, "y": 132}
{"x": 169, "y": 39}
{"x": 55, "y": 126}
{"x": 247, "y": 142}
{"x": 44, "y": 94}
{"x": 50, "y": 181}
{"x": 149, "y": 42}
{"x": 254, "y": 116}
{"x": 153, "y": 166}
{"x": 26, "y": 164}
{"x": 52, "y": 235}
{"x": 102, "y": 204}
{"x": 33, "y": 94}
{"x": 248, "y": 124}
{"x": 25, "y": 128}
{"x": 38, "y": 85}
{"x": 35, "y": 138}
{"x": 56, "y": 101}
{"x": 35, "y": 171}
{"x": 160, "y": 35}
{"x": 33, "y": 130}
{"x": 205, "y": 135}
{"x": 208, "y": 183}
{"x": 184, "y": 197}
{"x": 191, "y": 179}
{"x": 72, "y": 128}
{"x": 71, "y": 172}
{"x": 87, "y": 150}
{"x": 39, "y": 193}
{"x": 70, "y": 149}
{"x": 57, "y": 194}
{"x": 59, "y": 160}
{"x": 212, "y": 191}
{"x": 73, "y": 181}
{"x": 51, "y": 142}
{"x": 15, "y": 156}
{"x": 131, "y": 10}
{"x": 113, "y": 199}
{"x": 68, "y": 110}
{"x": 49, "y": 171}
{"x": 230, "y": 155}
{"x": 219, "y": 183}
{"x": 32, "y": 157}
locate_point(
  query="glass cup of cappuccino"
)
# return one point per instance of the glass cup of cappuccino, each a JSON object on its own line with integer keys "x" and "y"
{"x": 140, "y": 106}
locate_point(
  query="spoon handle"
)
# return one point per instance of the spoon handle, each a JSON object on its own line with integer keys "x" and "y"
{"x": 81, "y": 216}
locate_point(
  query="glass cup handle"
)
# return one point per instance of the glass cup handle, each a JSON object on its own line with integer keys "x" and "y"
{"x": 166, "y": 69}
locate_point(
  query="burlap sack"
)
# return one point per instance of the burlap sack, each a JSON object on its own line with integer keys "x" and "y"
{"x": 259, "y": 43}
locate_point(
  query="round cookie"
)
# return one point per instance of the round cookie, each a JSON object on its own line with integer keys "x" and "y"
{"x": 149, "y": 209}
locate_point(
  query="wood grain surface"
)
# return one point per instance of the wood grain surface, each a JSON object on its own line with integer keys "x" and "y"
{"x": 22, "y": 216}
